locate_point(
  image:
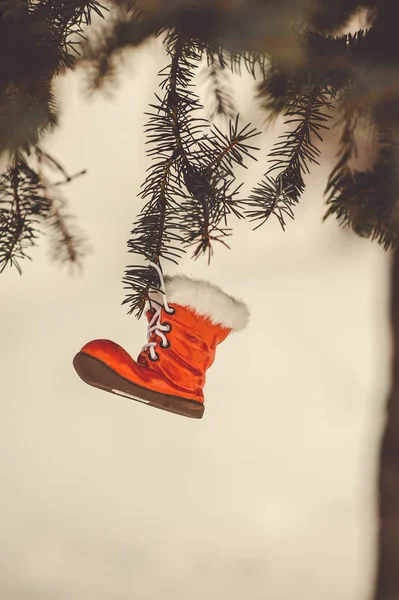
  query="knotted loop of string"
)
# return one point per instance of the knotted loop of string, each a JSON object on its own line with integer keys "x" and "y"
{"x": 155, "y": 325}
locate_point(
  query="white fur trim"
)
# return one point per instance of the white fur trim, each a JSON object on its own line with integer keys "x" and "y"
{"x": 207, "y": 300}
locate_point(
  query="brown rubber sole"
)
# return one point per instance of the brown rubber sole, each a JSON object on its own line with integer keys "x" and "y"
{"x": 99, "y": 375}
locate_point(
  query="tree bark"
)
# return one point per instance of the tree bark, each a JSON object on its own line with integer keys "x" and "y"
{"x": 387, "y": 576}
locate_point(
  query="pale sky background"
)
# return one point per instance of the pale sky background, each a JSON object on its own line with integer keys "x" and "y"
{"x": 271, "y": 495}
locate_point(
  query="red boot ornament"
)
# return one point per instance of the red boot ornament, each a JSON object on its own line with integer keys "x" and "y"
{"x": 187, "y": 319}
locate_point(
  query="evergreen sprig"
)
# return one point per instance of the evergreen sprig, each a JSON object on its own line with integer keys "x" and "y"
{"x": 218, "y": 88}
{"x": 101, "y": 51}
{"x": 29, "y": 204}
{"x": 22, "y": 203}
{"x": 255, "y": 63}
{"x": 213, "y": 196}
{"x": 189, "y": 189}
{"x": 170, "y": 137}
{"x": 291, "y": 157}
{"x": 38, "y": 40}
{"x": 367, "y": 201}
{"x": 68, "y": 245}
{"x": 68, "y": 20}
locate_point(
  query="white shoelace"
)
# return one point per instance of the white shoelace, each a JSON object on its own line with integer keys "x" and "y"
{"x": 155, "y": 325}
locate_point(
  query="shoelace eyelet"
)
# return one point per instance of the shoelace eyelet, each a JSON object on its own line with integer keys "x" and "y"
{"x": 153, "y": 359}
{"x": 168, "y": 325}
{"x": 167, "y": 345}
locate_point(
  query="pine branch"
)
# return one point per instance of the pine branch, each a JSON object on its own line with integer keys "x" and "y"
{"x": 255, "y": 63}
{"x": 68, "y": 20}
{"x": 225, "y": 150}
{"x": 155, "y": 233}
{"x": 22, "y": 203}
{"x": 208, "y": 178}
{"x": 28, "y": 202}
{"x": 38, "y": 40}
{"x": 190, "y": 186}
{"x": 44, "y": 158}
{"x": 68, "y": 245}
{"x": 213, "y": 190}
{"x": 291, "y": 157}
{"x": 367, "y": 202}
{"x": 331, "y": 60}
{"x": 103, "y": 49}
{"x": 218, "y": 87}
{"x": 348, "y": 150}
